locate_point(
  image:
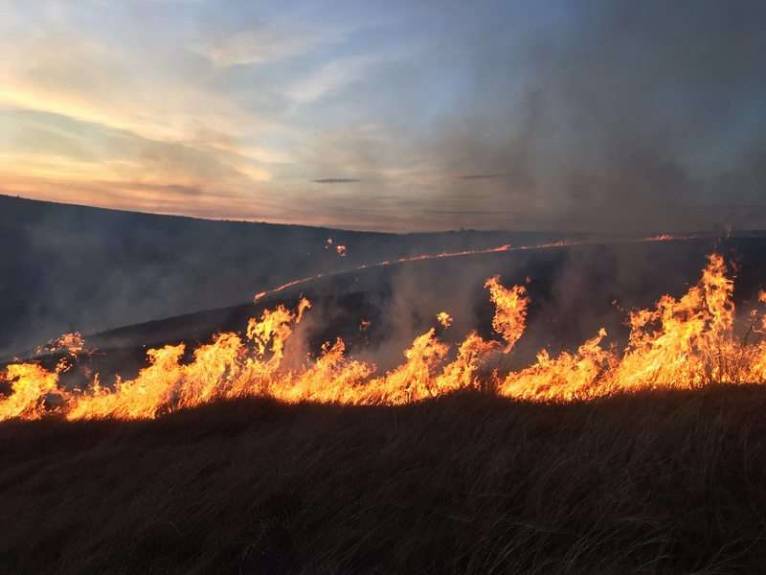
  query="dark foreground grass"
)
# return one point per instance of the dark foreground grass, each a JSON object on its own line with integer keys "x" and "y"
{"x": 653, "y": 483}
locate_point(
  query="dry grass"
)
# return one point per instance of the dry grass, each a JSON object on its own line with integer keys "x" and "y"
{"x": 653, "y": 483}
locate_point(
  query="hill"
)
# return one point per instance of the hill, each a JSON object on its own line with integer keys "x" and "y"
{"x": 574, "y": 291}
{"x": 76, "y": 268}
{"x": 643, "y": 481}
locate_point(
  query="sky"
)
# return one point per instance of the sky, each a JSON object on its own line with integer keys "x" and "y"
{"x": 598, "y": 115}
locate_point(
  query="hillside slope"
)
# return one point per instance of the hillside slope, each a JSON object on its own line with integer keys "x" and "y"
{"x": 574, "y": 292}
{"x": 66, "y": 267}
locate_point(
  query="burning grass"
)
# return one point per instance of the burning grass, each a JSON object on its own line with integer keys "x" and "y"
{"x": 683, "y": 343}
{"x": 647, "y": 459}
{"x": 651, "y": 482}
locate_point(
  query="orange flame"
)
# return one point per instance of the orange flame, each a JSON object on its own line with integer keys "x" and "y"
{"x": 510, "y": 310}
{"x": 444, "y": 319}
{"x": 681, "y": 343}
{"x": 504, "y": 248}
{"x": 72, "y": 343}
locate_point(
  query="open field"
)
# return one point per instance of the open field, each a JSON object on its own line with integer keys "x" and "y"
{"x": 649, "y": 483}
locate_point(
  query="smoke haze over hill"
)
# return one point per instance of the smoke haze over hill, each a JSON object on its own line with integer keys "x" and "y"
{"x": 68, "y": 268}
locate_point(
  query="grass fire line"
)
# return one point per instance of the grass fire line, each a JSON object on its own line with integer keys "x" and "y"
{"x": 504, "y": 248}
{"x": 681, "y": 343}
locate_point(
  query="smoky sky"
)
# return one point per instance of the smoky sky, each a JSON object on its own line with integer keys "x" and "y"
{"x": 593, "y": 115}
{"x": 626, "y": 115}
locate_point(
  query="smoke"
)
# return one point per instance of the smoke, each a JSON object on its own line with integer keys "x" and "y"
{"x": 602, "y": 116}
{"x": 71, "y": 268}
{"x": 609, "y": 116}
{"x": 615, "y": 116}
{"x": 74, "y": 268}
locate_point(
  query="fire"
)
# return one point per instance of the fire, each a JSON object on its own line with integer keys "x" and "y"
{"x": 444, "y": 319}
{"x": 510, "y": 310}
{"x": 340, "y": 249}
{"x": 680, "y": 343}
{"x": 504, "y": 248}
{"x": 762, "y": 299}
{"x": 29, "y": 384}
{"x": 72, "y": 343}
{"x": 567, "y": 377}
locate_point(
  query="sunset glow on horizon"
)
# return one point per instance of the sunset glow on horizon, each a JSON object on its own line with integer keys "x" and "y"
{"x": 384, "y": 116}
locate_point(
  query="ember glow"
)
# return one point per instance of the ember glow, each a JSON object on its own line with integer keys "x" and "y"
{"x": 73, "y": 343}
{"x": 681, "y": 343}
{"x": 465, "y": 253}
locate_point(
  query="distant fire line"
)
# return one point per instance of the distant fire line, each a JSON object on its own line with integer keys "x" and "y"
{"x": 683, "y": 342}
{"x": 504, "y": 248}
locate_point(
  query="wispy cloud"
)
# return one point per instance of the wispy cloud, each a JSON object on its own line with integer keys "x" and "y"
{"x": 437, "y": 117}
{"x": 330, "y": 78}
{"x": 261, "y": 44}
